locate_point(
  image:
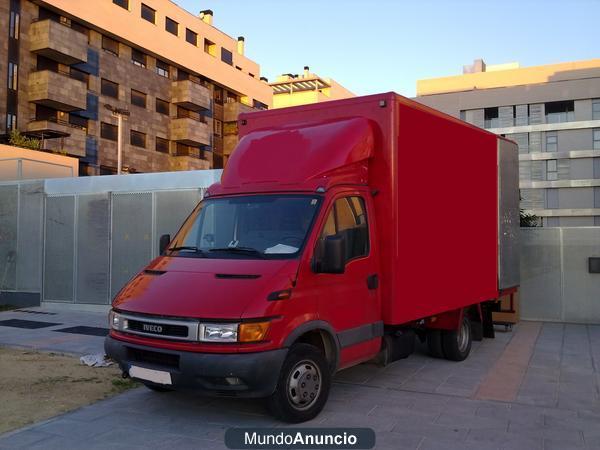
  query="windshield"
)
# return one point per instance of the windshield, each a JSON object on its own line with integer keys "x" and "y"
{"x": 256, "y": 226}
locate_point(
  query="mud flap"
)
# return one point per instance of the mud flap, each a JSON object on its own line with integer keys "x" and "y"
{"x": 488, "y": 323}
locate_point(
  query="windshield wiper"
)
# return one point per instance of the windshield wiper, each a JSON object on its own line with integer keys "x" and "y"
{"x": 187, "y": 247}
{"x": 250, "y": 250}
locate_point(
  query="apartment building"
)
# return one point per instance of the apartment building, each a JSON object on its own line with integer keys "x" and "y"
{"x": 302, "y": 89}
{"x": 182, "y": 81}
{"x": 553, "y": 113}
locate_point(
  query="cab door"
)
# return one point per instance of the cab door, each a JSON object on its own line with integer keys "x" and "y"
{"x": 350, "y": 301}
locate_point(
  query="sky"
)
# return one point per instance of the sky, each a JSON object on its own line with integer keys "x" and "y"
{"x": 387, "y": 45}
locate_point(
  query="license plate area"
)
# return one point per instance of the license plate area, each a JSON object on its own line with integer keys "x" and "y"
{"x": 155, "y": 376}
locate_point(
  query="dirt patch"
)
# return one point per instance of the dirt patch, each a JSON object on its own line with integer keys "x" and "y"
{"x": 7, "y": 307}
{"x": 36, "y": 386}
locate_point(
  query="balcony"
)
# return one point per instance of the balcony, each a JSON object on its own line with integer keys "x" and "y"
{"x": 232, "y": 110}
{"x": 57, "y": 90}
{"x": 188, "y": 131}
{"x": 58, "y": 42}
{"x": 190, "y": 95}
{"x": 178, "y": 163}
{"x": 58, "y": 136}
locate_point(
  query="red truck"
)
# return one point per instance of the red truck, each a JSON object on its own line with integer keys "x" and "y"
{"x": 340, "y": 232}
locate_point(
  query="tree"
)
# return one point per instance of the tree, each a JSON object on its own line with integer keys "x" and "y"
{"x": 528, "y": 220}
{"x": 18, "y": 140}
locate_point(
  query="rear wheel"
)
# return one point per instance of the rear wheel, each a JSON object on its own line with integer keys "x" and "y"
{"x": 456, "y": 344}
{"x": 303, "y": 385}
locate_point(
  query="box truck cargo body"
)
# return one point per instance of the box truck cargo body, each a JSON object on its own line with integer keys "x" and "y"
{"x": 338, "y": 233}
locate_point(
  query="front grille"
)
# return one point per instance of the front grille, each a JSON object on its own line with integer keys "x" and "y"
{"x": 157, "y": 358}
{"x": 160, "y": 329}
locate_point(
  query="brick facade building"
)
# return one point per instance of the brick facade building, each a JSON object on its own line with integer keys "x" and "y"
{"x": 182, "y": 80}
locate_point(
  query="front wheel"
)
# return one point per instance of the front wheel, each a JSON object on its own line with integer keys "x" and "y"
{"x": 303, "y": 385}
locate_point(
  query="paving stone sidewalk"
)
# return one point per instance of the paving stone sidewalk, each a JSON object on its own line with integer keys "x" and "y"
{"x": 416, "y": 403}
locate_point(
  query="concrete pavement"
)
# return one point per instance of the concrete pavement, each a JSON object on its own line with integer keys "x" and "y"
{"x": 552, "y": 399}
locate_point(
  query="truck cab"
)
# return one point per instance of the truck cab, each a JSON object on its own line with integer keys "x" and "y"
{"x": 270, "y": 285}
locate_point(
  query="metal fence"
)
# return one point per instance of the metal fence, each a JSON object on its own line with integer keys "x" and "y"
{"x": 79, "y": 240}
{"x": 555, "y": 282}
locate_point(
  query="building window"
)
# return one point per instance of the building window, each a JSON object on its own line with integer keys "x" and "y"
{"x": 596, "y": 109}
{"x": 43, "y": 63}
{"x": 210, "y": 47}
{"x": 259, "y": 105}
{"x": 11, "y": 121}
{"x": 182, "y": 75}
{"x": 557, "y": 112}
{"x": 217, "y": 127}
{"x": 13, "y": 76}
{"x": 226, "y": 56}
{"x": 138, "y": 98}
{"x": 191, "y": 37}
{"x": 110, "y": 45}
{"x": 171, "y": 26}
{"x": 80, "y": 75}
{"x": 76, "y": 26}
{"x": 109, "y": 88}
{"x": 162, "y": 145}
{"x": 78, "y": 121}
{"x": 44, "y": 14}
{"x": 551, "y": 198}
{"x": 108, "y": 131}
{"x": 218, "y": 95}
{"x": 597, "y": 139}
{"x": 122, "y": 3}
{"x": 491, "y": 118}
{"x": 148, "y": 14}
{"x": 14, "y": 25}
{"x": 162, "y": 68}
{"x": 188, "y": 150}
{"x": 551, "y": 170}
{"x": 138, "y": 58}
{"x": 162, "y": 106}
{"x": 184, "y": 113}
{"x": 137, "y": 139}
{"x": 551, "y": 142}
{"x": 45, "y": 113}
{"x": 230, "y": 97}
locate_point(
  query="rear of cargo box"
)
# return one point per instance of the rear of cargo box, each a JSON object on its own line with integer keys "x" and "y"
{"x": 444, "y": 236}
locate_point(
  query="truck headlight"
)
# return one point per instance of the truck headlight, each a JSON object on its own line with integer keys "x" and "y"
{"x": 218, "y": 332}
{"x": 116, "y": 320}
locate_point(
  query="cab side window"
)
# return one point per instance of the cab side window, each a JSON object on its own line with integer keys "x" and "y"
{"x": 348, "y": 219}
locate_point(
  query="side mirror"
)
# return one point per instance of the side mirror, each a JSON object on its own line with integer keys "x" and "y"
{"x": 163, "y": 243}
{"x": 332, "y": 257}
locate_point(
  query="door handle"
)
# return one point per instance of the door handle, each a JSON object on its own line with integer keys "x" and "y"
{"x": 373, "y": 281}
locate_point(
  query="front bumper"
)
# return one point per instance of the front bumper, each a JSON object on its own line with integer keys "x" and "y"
{"x": 206, "y": 372}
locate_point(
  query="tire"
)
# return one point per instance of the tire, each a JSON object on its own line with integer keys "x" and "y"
{"x": 434, "y": 343}
{"x": 457, "y": 344}
{"x": 157, "y": 388}
{"x": 292, "y": 401}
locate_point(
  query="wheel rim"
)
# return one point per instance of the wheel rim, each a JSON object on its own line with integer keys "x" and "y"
{"x": 462, "y": 337}
{"x": 304, "y": 385}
